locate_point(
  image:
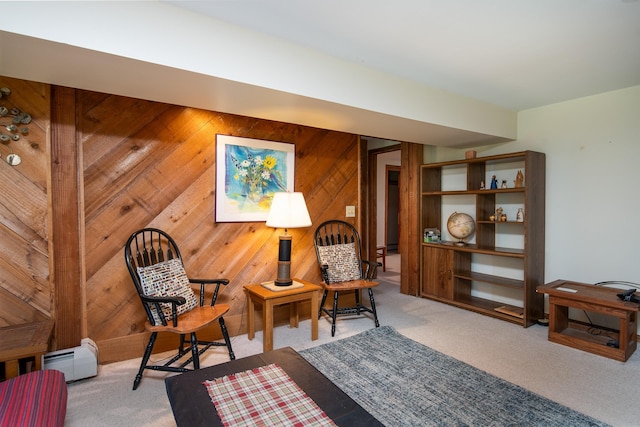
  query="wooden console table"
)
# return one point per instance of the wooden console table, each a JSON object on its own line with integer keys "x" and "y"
{"x": 258, "y": 294}
{"x": 598, "y": 299}
{"x": 22, "y": 341}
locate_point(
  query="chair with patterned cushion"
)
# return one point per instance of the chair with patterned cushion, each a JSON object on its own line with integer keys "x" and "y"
{"x": 156, "y": 267}
{"x": 338, "y": 251}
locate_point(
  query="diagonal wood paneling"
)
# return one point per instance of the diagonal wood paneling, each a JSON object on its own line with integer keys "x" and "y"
{"x": 160, "y": 171}
{"x": 25, "y": 291}
{"x": 148, "y": 164}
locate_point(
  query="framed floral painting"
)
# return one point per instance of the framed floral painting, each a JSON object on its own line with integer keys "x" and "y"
{"x": 248, "y": 173}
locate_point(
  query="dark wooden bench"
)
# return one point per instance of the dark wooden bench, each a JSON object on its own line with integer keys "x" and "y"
{"x": 192, "y": 405}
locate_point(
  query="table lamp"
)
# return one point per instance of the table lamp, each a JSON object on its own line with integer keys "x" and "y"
{"x": 288, "y": 210}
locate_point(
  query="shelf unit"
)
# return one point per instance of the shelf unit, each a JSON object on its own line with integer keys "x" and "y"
{"x": 503, "y": 263}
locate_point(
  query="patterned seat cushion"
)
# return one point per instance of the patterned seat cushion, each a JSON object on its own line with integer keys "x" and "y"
{"x": 38, "y": 398}
{"x": 167, "y": 278}
{"x": 342, "y": 261}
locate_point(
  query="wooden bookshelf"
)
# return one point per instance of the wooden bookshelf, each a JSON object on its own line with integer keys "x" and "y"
{"x": 450, "y": 273}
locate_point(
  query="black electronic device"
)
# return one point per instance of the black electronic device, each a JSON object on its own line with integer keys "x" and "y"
{"x": 628, "y": 295}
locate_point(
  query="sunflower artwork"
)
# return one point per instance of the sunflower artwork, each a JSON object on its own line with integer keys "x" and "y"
{"x": 253, "y": 173}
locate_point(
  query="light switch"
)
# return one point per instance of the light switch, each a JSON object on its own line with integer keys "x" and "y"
{"x": 351, "y": 211}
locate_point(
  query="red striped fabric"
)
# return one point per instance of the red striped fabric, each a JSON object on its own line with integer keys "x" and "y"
{"x": 38, "y": 398}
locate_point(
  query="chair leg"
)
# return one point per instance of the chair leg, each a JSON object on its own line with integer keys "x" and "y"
{"x": 324, "y": 299}
{"x": 145, "y": 359}
{"x": 335, "y": 312}
{"x": 225, "y": 335}
{"x": 373, "y": 307}
{"x": 181, "y": 345}
{"x": 358, "y": 305}
{"x": 194, "y": 351}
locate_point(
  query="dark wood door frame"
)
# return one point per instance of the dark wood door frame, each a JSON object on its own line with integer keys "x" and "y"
{"x": 388, "y": 169}
{"x": 409, "y": 243}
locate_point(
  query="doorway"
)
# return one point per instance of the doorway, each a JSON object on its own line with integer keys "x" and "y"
{"x": 386, "y": 185}
{"x": 392, "y": 209}
{"x": 409, "y": 235}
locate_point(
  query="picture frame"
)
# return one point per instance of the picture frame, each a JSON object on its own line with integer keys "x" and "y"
{"x": 248, "y": 173}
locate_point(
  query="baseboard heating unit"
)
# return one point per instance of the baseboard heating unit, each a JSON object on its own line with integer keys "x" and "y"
{"x": 75, "y": 363}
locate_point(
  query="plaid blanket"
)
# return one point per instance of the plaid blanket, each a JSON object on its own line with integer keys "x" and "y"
{"x": 264, "y": 396}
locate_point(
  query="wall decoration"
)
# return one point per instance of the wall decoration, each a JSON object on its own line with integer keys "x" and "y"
{"x": 14, "y": 122}
{"x": 248, "y": 173}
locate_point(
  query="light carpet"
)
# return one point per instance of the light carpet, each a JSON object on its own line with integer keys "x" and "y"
{"x": 599, "y": 387}
{"x": 404, "y": 383}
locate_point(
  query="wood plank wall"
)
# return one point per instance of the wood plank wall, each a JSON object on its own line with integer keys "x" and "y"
{"x": 149, "y": 164}
{"x": 25, "y": 289}
{"x": 152, "y": 164}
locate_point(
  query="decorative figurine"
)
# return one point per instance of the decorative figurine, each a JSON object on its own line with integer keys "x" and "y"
{"x": 520, "y": 215}
{"x": 503, "y": 218}
{"x": 519, "y": 181}
{"x": 482, "y": 185}
{"x": 498, "y": 215}
{"x": 504, "y": 183}
{"x": 492, "y": 217}
{"x": 494, "y": 183}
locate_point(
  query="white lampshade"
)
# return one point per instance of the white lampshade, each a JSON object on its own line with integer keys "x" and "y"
{"x": 288, "y": 210}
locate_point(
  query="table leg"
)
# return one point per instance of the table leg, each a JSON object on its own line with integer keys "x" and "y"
{"x": 558, "y": 317}
{"x": 294, "y": 318}
{"x": 11, "y": 368}
{"x": 251, "y": 325}
{"x": 314, "y": 316}
{"x": 38, "y": 362}
{"x": 626, "y": 336}
{"x": 632, "y": 327}
{"x": 267, "y": 325}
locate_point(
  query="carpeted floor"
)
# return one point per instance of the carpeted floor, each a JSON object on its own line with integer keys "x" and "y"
{"x": 404, "y": 383}
{"x": 599, "y": 387}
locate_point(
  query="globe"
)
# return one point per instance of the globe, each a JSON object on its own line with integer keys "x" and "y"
{"x": 461, "y": 226}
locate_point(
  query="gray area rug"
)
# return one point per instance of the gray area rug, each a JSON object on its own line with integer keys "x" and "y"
{"x": 404, "y": 383}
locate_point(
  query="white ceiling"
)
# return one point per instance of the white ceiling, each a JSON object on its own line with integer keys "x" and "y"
{"x": 516, "y": 54}
{"x": 439, "y": 72}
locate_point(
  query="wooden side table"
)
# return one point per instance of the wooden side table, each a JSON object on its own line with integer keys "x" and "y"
{"x": 258, "y": 294}
{"x": 599, "y": 299}
{"x": 22, "y": 341}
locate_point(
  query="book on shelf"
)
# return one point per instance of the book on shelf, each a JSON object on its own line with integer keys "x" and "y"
{"x": 511, "y": 310}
